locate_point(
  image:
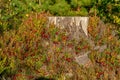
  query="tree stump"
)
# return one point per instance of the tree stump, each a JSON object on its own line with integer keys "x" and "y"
{"x": 75, "y": 26}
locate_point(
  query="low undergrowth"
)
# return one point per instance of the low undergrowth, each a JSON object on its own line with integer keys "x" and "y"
{"x": 34, "y": 51}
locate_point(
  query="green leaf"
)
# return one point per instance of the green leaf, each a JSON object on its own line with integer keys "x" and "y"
{"x": 83, "y": 12}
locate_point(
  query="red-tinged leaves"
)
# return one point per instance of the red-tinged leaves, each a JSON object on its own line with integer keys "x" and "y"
{"x": 30, "y": 77}
{"x": 16, "y": 75}
{"x": 14, "y": 78}
{"x": 64, "y": 38}
{"x": 20, "y": 71}
{"x": 78, "y": 48}
{"x": 76, "y": 53}
{"x": 55, "y": 42}
{"x": 69, "y": 59}
{"x": 19, "y": 74}
{"x": 48, "y": 59}
{"x": 28, "y": 22}
{"x": 99, "y": 74}
{"x": 70, "y": 45}
{"x": 26, "y": 55}
{"x": 33, "y": 54}
{"x": 43, "y": 32}
{"x": 57, "y": 65}
{"x": 111, "y": 68}
{"x": 37, "y": 71}
{"x": 85, "y": 47}
{"x": 45, "y": 35}
{"x": 63, "y": 57}
{"x": 103, "y": 63}
{"x": 56, "y": 33}
{"x": 107, "y": 53}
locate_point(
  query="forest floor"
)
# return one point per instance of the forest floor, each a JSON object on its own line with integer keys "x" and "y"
{"x": 36, "y": 51}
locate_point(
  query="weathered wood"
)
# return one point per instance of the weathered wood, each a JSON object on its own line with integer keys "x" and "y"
{"x": 76, "y": 26}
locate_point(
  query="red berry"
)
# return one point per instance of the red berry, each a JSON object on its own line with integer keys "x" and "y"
{"x": 56, "y": 33}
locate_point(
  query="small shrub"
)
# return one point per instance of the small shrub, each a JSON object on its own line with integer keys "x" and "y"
{"x": 35, "y": 50}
